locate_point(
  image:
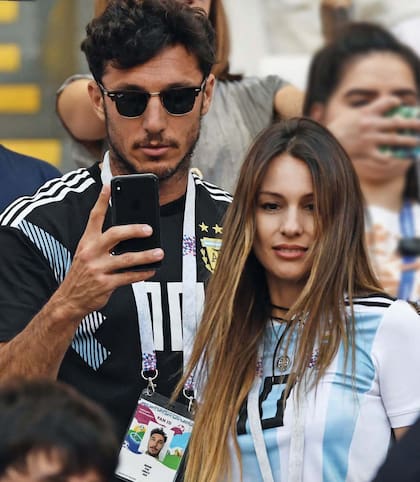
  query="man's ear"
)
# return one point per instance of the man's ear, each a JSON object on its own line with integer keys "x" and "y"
{"x": 208, "y": 94}
{"x": 97, "y": 99}
{"x": 317, "y": 112}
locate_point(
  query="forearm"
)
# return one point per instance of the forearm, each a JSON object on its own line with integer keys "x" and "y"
{"x": 75, "y": 110}
{"x": 38, "y": 350}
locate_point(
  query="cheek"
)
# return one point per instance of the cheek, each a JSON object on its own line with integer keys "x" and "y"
{"x": 310, "y": 226}
{"x": 261, "y": 231}
{"x": 262, "y": 238}
{"x": 334, "y": 108}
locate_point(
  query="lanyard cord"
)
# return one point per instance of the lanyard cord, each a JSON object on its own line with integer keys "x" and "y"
{"x": 255, "y": 422}
{"x": 297, "y": 441}
{"x": 407, "y": 231}
{"x": 189, "y": 280}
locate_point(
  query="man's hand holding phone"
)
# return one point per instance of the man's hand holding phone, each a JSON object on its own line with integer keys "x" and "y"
{"x": 135, "y": 200}
{"x": 95, "y": 273}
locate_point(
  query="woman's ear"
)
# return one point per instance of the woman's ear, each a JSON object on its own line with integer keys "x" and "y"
{"x": 317, "y": 112}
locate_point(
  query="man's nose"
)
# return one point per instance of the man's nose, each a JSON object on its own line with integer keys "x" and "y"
{"x": 155, "y": 116}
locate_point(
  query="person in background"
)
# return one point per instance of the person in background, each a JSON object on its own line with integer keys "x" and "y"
{"x": 303, "y": 27}
{"x": 298, "y": 364}
{"x": 49, "y": 432}
{"x": 71, "y": 310}
{"x": 355, "y": 81}
{"x": 21, "y": 175}
{"x": 241, "y": 107}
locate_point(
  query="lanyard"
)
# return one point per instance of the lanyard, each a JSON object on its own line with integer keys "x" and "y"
{"x": 297, "y": 441}
{"x": 255, "y": 421}
{"x": 189, "y": 281}
{"x": 407, "y": 231}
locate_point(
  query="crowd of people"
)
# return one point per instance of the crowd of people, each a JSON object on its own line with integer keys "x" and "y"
{"x": 282, "y": 319}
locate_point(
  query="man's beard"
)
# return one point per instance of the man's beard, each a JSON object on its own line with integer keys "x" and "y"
{"x": 180, "y": 169}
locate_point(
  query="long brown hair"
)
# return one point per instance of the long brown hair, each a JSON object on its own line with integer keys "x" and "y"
{"x": 237, "y": 300}
{"x": 218, "y": 19}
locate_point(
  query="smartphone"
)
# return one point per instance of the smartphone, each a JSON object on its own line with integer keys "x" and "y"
{"x": 409, "y": 246}
{"x": 404, "y": 152}
{"x": 135, "y": 200}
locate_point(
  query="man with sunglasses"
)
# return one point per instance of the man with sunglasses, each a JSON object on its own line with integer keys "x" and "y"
{"x": 68, "y": 308}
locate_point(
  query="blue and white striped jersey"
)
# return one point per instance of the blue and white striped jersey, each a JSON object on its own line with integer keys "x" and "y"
{"x": 347, "y": 420}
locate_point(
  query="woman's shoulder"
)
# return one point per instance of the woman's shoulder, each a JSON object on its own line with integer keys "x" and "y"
{"x": 371, "y": 300}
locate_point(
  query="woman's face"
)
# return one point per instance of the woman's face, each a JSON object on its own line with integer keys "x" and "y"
{"x": 285, "y": 224}
{"x": 364, "y": 80}
{"x": 204, "y": 4}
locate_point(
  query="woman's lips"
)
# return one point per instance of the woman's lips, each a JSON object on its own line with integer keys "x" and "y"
{"x": 290, "y": 252}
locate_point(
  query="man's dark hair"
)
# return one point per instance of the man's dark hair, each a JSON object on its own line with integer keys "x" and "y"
{"x": 52, "y": 418}
{"x": 132, "y": 32}
{"x": 159, "y": 431}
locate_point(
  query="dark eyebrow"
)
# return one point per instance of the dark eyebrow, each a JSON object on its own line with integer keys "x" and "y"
{"x": 308, "y": 197}
{"x": 366, "y": 92}
{"x": 372, "y": 93}
{"x": 269, "y": 193}
{"x": 305, "y": 197}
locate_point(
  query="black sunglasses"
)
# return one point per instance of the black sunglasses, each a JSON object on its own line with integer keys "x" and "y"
{"x": 133, "y": 103}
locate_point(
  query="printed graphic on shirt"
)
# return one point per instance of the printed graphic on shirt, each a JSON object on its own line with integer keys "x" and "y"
{"x": 210, "y": 246}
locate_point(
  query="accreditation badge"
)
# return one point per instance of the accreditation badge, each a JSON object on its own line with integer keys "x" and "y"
{"x": 156, "y": 440}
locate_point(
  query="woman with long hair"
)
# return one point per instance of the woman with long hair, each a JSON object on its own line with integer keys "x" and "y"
{"x": 304, "y": 366}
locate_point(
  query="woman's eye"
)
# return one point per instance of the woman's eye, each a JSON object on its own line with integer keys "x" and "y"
{"x": 310, "y": 207}
{"x": 270, "y": 206}
{"x": 355, "y": 103}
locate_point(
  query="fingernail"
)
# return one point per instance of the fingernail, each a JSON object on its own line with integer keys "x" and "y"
{"x": 147, "y": 229}
{"x": 157, "y": 253}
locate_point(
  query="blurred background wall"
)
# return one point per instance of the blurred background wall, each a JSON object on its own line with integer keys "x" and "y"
{"x": 39, "y": 49}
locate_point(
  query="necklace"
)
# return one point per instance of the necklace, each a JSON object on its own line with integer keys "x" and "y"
{"x": 280, "y": 319}
{"x": 282, "y": 308}
{"x": 281, "y": 362}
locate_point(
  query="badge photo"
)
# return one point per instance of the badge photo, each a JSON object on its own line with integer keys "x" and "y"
{"x": 155, "y": 442}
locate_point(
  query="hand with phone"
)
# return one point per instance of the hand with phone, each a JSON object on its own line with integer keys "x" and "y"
{"x": 364, "y": 132}
{"x": 135, "y": 200}
{"x": 95, "y": 273}
{"x": 404, "y": 151}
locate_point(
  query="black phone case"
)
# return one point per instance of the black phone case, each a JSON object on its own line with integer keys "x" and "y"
{"x": 409, "y": 246}
{"x": 135, "y": 200}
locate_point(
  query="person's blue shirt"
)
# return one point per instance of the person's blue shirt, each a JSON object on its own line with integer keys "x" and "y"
{"x": 21, "y": 175}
